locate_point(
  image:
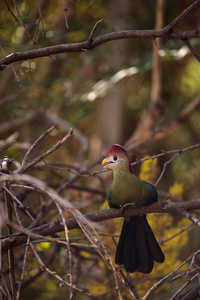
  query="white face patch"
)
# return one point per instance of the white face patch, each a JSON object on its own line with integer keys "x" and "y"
{"x": 114, "y": 162}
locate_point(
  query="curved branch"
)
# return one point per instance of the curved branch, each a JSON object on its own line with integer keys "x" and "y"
{"x": 97, "y": 216}
{"x": 95, "y": 42}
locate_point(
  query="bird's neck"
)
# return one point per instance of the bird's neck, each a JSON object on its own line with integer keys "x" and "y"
{"x": 123, "y": 168}
{"x": 123, "y": 177}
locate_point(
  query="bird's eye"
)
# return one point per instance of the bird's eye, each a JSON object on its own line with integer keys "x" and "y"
{"x": 114, "y": 158}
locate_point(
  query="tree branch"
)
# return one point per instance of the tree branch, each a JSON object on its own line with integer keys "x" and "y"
{"x": 89, "y": 45}
{"x": 177, "y": 20}
{"x": 102, "y": 215}
{"x": 27, "y": 166}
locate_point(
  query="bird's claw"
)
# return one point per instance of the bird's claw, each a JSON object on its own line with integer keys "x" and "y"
{"x": 126, "y": 205}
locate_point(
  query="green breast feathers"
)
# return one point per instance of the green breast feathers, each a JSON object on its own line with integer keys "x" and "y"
{"x": 127, "y": 188}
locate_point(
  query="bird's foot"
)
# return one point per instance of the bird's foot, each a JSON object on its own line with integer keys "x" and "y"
{"x": 164, "y": 201}
{"x": 125, "y": 206}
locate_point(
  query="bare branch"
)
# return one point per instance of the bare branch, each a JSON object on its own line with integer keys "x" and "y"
{"x": 103, "y": 215}
{"x": 166, "y": 278}
{"x": 8, "y": 7}
{"x": 40, "y": 18}
{"x": 190, "y": 217}
{"x": 21, "y": 21}
{"x": 164, "y": 167}
{"x": 65, "y": 9}
{"x": 45, "y": 198}
{"x": 10, "y": 251}
{"x": 176, "y": 151}
{"x": 90, "y": 38}
{"x": 4, "y": 288}
{"x": 183, "y": 287}
{"x": 171, "y": 25}
{"x": 166, "y": 32}
{"x": 48, "y": 152}
{"x": 44, "y": 267}
{"x": 77, "y": 47}
{"x": 26, "y": 156}
{"x": 12, "y": 67}
{"x": 191, "y": 49}
{"x": 36, "y": 31}
{"x": 176, "y": 234}
{"x": 10, "y": 141}
{"x": 14, "y": 198}
{"x": 64, "y": 125}
{"x": 23, "y": 268}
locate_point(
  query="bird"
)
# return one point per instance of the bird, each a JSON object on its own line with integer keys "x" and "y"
{"x": 137, "y": 248}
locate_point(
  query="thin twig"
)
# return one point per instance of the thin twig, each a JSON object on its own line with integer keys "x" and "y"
{"x": 183, "y": 287}
{"x": 177, "y": 20}
{"x": 68, "y": 249}
{"x": 165, "y": 279}
{"x": 10, "y": 251}
{"x": 163, "y": 153}
{"x": 41, "y": 18}
{"x": 34, "y": 236}
{"x": 187, "y": 215}
{"x": 35, "y": 144}
{"x": 8, "y": 7}
{"x": 45, "y": 268}
{"x": 5, "y": 290}
{"x": 64, "y": 125}
{"x": 104, "y": 256}
{"x": 165, "y": 166}
{"x": 23, "y": 268}
{"x": 191, "y": 49}
{"x": 48, "y": 261}
{"x": 91, "y": 4}
{"x": 65, "y": 9}
{"x": 93, "y": 31}
{"x": 36, "y": 31}
{"x": 129, "y": 284}
{"x": 21, "y": 21}
{"x": 12, "y": 67}
{"x": 176, "y": 234}
{"x": 27, "y": 166}
{"x": 18, "y": 202}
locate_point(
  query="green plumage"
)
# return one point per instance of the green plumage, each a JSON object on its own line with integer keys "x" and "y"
{"x": 127, "y": 188}
{"x": 137, "y": 248}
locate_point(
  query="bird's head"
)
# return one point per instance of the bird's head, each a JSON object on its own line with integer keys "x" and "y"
{"x": 117, "y": 159}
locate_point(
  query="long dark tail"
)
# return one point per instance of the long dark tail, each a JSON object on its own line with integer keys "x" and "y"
{"x": 138, "y": 248}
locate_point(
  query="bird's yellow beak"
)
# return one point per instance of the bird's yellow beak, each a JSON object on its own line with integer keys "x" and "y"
{"x": 104, "y": 162}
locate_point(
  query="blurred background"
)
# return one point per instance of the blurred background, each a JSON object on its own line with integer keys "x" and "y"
{"x": 140, "y": 93}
